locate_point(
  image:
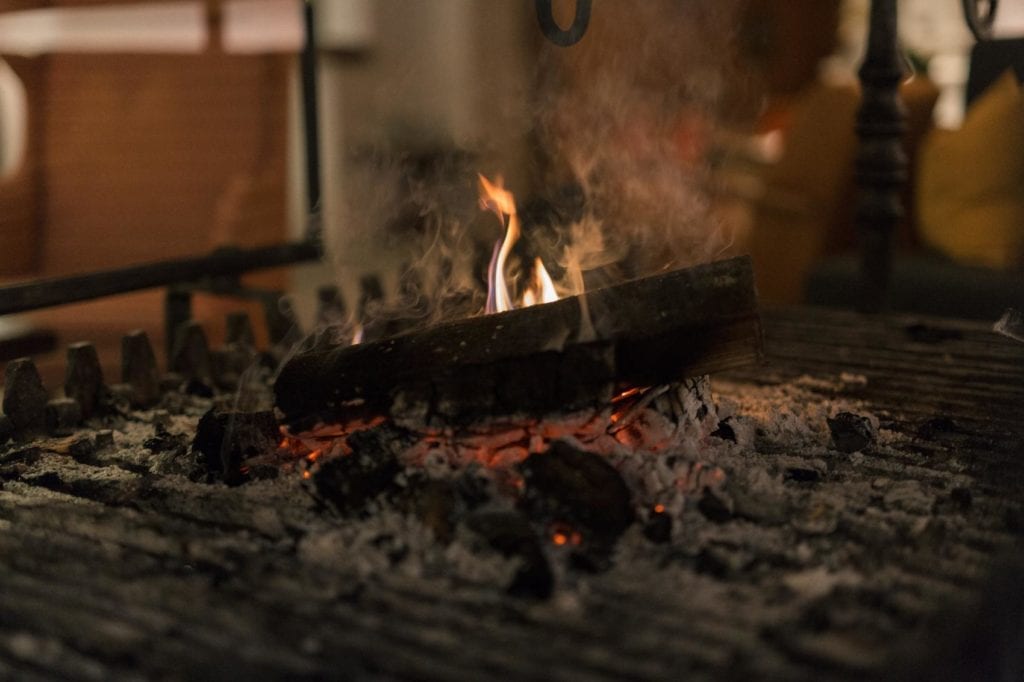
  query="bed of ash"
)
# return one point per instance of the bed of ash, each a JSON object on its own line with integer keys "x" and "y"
{"x": 692, "y": 456}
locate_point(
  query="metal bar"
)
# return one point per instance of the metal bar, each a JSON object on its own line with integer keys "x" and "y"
{"x": 310, "y": 114}
{"x": 47, "y": 293}
{"x": 881, "y": 165}
{"x": 563, "y": 37}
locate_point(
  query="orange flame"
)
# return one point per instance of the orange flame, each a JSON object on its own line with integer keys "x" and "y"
{"x": 494, "y": 197}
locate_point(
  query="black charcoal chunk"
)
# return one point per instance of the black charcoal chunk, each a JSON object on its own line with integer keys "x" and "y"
{"x": 224, "y": 439}
{"x": 658, "y": 528}
{"x": 348, "y": 483}
{"x": 84, "y": 379}
{"x": 25, "y": 397}
{"x": 580, "y": 489}
{"x": 715, "y": 506}
{"x": 725, "y": 431}
{"x": 511, "y": 535}
{"x": 851, "y": 432}
{"x": 138, "y": 369}
{"x": 63, "y": 415}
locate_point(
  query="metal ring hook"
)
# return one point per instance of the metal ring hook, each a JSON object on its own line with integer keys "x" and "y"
{"x": 563, "y": 37}
{"x": 980, "y": 24}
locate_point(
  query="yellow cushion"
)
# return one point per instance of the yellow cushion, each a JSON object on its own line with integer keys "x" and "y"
{"x": 970, "y": 188}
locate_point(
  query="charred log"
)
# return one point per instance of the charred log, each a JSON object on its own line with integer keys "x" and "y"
{"x": 565, "y": 355}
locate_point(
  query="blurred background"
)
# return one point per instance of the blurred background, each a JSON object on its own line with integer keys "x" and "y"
{"x": 137, "y": 131}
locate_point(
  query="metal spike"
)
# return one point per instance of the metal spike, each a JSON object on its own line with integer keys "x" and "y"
{"x": 24, "y": 396}
{"x": 239, "y": 329}
{"x": 138, "y": 368}
{"x": 191, "y": 355}
{"x": 84, "y": 379}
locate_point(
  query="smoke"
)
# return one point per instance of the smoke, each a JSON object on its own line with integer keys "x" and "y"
{"x": 621, "y": 130}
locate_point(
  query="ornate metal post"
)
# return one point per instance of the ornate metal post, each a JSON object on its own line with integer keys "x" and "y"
{"x": 881, "y": 166}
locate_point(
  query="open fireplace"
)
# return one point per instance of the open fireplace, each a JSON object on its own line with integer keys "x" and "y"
{"x": 558, "y": 475}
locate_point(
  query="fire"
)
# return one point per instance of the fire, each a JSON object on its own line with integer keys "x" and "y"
{"x": 494, "y": 197}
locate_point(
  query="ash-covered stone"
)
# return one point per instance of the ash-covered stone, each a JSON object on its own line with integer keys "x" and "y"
{"x": 510, "y": 534}
{"x": 224, "y": 439}
{"x": 851, "y": 432}
{"x": 348, "y": 483}
{"x": 25, "y": 397}
{"x": 578, "y": 488}
{"x": 84, "y": 379}
{"x": 63, "y": 415}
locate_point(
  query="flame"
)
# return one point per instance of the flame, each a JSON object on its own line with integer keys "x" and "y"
{"x": 494, "y": 197}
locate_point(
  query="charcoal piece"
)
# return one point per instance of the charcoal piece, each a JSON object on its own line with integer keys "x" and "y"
{"x": 62, "y": 415}
{"x": 435, "y": 503}
{"x": 224, "y": 439}
{"x": 511, "y": 535}
{"x": 104, "y": 439}
{"x": 715, "y": 506}
{"x": 171, "y": 381}
{"x": 6, "y": 429}
{"x": 84, "y": 379}
{"x": 346, "y": 484}
{"x": 724, "y": 430}
{"x": 330, "y": 309}
{"x": 138, "y": 369}
{"x": 198, "y": 388}
{"x": 801, "y": 474}
{"x": 851, "y": 432}
{"x": 566, "y": 485}
{"x": 164, "y": 441}
{"x": 239, "y": 329}
{"x": 658, "y": 528}
{"x": 961, "y": 496}
{"x": 25, "y": 397}
{"x": 190, "y": 356}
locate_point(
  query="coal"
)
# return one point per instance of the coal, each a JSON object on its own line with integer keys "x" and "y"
{"x": 347, "y": 484}
{"x": 25, "y": 397}
{"x": 62, "y": 415}
{"x": 851, "y": 432}
{"x": 725, "y": 431}
{"x": 510, "y": 534}
{"x": 84, "y": 379}
{"x": 163, "y": 440}
{"x": 190, "y": 356}
{"x": 658, "y": 528}
{"x": 138, "y": 369}
{"x": 566, "y": 485}
{"x": 715, "y": 507}
{"x": 224, "y": 439}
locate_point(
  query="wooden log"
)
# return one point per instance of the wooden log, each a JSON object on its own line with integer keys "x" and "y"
{"x": 547, "y": 357}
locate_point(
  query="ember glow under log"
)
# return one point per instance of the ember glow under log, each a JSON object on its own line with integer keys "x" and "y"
{"x": 560, "y": 356}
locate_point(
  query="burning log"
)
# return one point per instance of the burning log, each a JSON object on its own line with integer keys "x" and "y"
{"x": 565, "y": 355}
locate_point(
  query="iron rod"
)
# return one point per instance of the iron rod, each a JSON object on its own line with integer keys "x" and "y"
{"x": 226, "y": 262}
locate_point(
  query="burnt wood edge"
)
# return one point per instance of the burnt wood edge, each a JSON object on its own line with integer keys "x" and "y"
{"x": 683, "y": 323}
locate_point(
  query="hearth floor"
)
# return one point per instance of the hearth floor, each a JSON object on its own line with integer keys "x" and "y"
{"x": 852, "y": 566}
